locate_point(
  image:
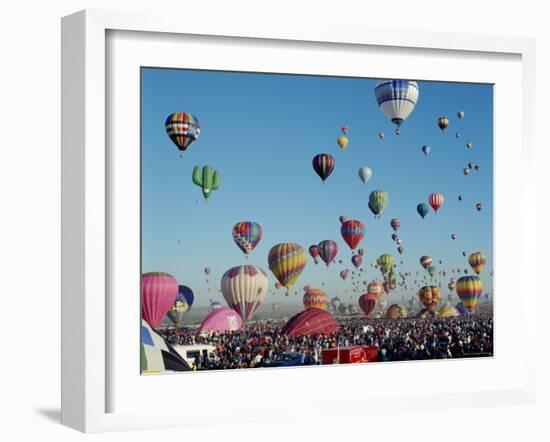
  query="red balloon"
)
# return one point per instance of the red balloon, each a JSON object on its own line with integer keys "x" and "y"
{"x": 353, "y": 232}
{"x": 367, "y": 303}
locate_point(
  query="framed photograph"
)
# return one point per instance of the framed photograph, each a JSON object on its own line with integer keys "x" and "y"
{"x": 273, "y": 209}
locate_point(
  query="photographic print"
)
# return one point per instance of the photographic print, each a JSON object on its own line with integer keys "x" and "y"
{"x": 303, "y": 220}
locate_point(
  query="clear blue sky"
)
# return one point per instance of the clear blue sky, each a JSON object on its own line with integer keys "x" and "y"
{"x": 262, "y": 131}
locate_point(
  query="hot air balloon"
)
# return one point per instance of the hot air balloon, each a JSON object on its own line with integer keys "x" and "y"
{"x": 157, "y": 355}
{"x": 353, "y": 232}
{"x": 361, "y": 252}
{"x": 357, "y": 260}
{"x": 367, "y": 303}
{"x": 182, "y": 305}
{"x": 278, "y": 285}
{"x": 215, "y": 305}
{"x": 310, "y": 321}
{"x": 244, "y": 288}
{"x": 432, "y": 271}
{"x": 443, "y": 123}
{"x": 328, "y": 250}
{"x": 447, "y": 311}
{"x": 315, "y": 298}
{"x": 396, "y": 311}
{"x": 423, "y": 209}
{"x": 344, "y": 129}
{"x": 426, "y": 261}
{"x": 183, "y": 129}
{"x": 395, "y": 224}
{"x": 158, "y": 294}
{"x": 426, "y": 150}
{"x": 344, "y": 274}
{"x": 378, "y": 200}
{"x": 463, "y": 254}
{"x": 436, "y": 200}
{"x": 459, "y": 197}
{"x": 335, "y": 303}
{"x": 457, "y": 135}
{"x": 460, "y": 115}
{"x": 207, "y": 270}
{"x": 314, "y": 252}
{"x": 343, "y": 142}
{"x": 247, "y": 235}
{"x": 429, "y": 296}
{"x": 220, "y": 320}
{"x": 400, "y": 249}
{"x": 479, "y": 206}
{"x": 365, "y": 174}
{"x": 207, "y": 179}
{"x": 392, "y": 280}
{"x": 453, "y": 236}
{"x": 286, "y": 261}
{"x": 469, "y": 144}
{"x": 397, "y": 99}
{"x": 469, "y": 290}
{"x": 323, "y": 164}
{"x": 477, "y": 261}
{"x": 466, "y": 171}
{"x": 343, "y": 219}
{"x": 451, "y": 286}
{"x": 385, "y": 262}
{"x": 461, "y": 309}
{"x": 375, "y": 289}
{"x": 381, "y": 135}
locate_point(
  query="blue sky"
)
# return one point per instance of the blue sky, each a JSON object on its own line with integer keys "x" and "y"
{"x": 261, "y": 132}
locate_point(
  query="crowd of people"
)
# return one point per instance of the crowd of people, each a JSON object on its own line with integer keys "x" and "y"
{"x": 261, "y": 344}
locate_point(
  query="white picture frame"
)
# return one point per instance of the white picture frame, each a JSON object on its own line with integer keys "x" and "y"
{"x": 88, "y": 177}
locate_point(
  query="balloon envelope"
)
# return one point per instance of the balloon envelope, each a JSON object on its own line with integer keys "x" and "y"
{"x": 396, "y": 99}
{"x": 221, "y": 320}
{"x": 158, "y": 294}
{"x": 311, "y": 321}
{"x": 244, "y": 288}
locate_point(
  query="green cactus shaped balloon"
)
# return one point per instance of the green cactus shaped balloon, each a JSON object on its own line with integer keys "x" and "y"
{"x": 207, "y": 179}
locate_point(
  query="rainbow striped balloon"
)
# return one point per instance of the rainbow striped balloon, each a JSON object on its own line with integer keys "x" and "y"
{"x": 469, "y": 290}
{"x": 477, "y": 261}
{"x": 287, "y": 261}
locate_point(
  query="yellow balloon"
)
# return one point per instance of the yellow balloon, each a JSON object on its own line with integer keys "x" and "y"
{"x": 286, "y": 261}
{"x": 343, "y": 142}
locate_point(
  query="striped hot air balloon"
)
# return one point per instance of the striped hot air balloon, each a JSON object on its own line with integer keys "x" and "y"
{"x": 247, "y": 235}
{"x": 353, "y": 232}
{"x": 396, "y": 99}
{"x": 436, "y": 200}
{"x": 323, "y": 164}
{"x": 395, "y": 224}
{"x": 244, "y": 288}
{"x": 158, "y": 294}
{"x": 183, "y": 129}
{"x": 477, "y": 261}
{"x": 426, "y": 261}
{"x": 469, "y": 290}
{"x": 328, "y": 250}
{"x": 315, "y": 298}
{"x": 287, "y": 261}
{"x": 429, "y": 296}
